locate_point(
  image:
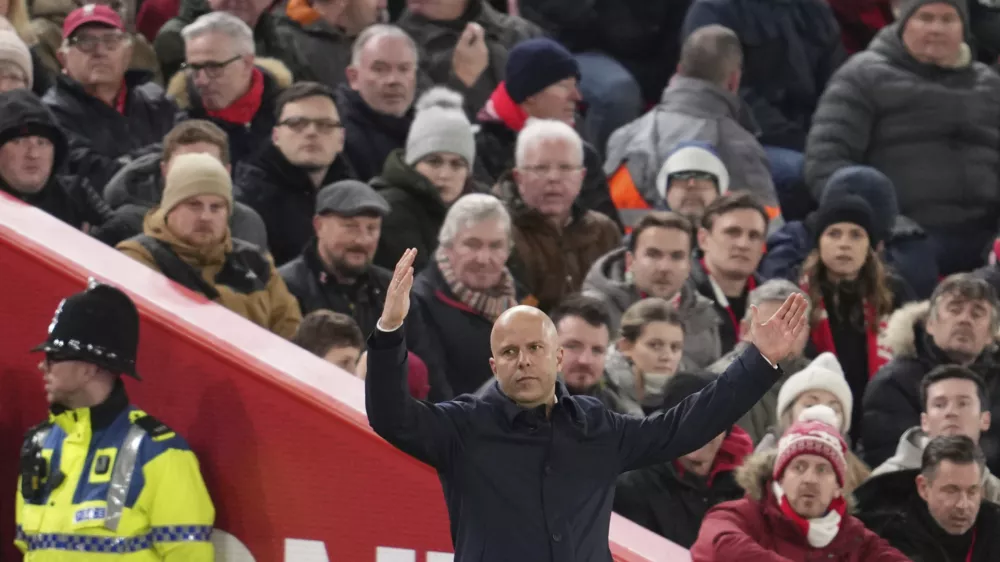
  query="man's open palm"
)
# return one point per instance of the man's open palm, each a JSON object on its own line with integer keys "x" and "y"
{"x": 397, "y": 297}
{"x": 775, "y": 338}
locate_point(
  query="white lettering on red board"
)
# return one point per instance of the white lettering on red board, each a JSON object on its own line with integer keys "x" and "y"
{"x": 229, "y": 549}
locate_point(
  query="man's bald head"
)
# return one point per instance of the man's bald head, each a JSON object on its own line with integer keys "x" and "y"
{"x": 711, "y": 53}
{"x": 526, "y": 355}
{"x": 516, "y": 316}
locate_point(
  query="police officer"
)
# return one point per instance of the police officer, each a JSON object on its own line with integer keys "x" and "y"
{"x": 101, "y": 476}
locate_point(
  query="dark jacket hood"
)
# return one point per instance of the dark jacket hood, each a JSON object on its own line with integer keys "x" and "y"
{"x": 22, "y": 113}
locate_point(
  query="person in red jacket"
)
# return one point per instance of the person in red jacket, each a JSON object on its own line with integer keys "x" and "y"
{"x": 795, "y": 509}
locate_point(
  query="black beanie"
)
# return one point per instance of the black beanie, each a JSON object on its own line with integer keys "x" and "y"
{"x": 848, "y": 208}
{"x": 908, "y": 7}
{"x": 536, "y": 64}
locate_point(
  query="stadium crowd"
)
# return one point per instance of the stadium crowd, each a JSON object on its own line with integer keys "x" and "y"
{"x": 648, "y": 173}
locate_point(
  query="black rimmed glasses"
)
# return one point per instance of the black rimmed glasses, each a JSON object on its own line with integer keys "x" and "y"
{"x": 213, "y": 69}
{"x": 300, "y": 124}
{"x": 88, "y": 43}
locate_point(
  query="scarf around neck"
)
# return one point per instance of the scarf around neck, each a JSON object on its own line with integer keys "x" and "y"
{"x": 820, "y": 531}
{"x": 490, "y": 305}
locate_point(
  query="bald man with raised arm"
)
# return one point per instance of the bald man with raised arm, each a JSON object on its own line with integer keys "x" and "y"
{"x": 528, "y": 470}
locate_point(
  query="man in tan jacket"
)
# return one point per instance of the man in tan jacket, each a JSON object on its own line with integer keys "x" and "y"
{"x": 187, "y": 239}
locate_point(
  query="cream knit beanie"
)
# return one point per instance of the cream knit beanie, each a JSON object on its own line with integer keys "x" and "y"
{"x": 14, "y": 51}
{"x": 195, "y": 174}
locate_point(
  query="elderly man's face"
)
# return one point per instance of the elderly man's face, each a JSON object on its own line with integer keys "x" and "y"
{"x": 200, "y": 221}
{"x": 933, "y": 34}
{"x": 26, "y": 163}
{"x": 550, "y": 177}
{"x": 309, "y": 133}
{"x": 810, "y": 484}
{"x": 97, "y": 55}
{"x": 557, "y": 101}
{"x": 526, "y": 356}
{"x": 478, "y": 254}
{"x": 584, "y": 346}
{"x": 386, "y": 75}
{"x": 220, "y": 73}
{"x": 953, "y": 494}
{"x": 347, "y": 244}
{"x": 961, "y": 327}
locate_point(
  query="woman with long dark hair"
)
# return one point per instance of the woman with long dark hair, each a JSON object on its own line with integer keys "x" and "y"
{"x": 852, "y": 291}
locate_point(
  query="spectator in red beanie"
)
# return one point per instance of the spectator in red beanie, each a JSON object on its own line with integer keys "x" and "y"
{"x": 795, "y": 509}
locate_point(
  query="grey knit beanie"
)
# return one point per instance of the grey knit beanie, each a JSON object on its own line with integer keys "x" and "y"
{"x": 440, "y": 126}
{"x": 908, "y": 7}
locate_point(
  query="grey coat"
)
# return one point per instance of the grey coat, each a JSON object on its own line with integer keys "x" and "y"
{"x": 693, "y": 110}
{"x": 606, "y": 281}
{"x": 934, "y": 131}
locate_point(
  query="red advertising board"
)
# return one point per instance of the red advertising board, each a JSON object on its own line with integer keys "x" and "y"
{"x": 293, "y": 468}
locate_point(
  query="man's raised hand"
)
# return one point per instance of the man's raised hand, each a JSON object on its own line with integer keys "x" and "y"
{"x": 397, "y": 298}
{"x": 775, "y": 338}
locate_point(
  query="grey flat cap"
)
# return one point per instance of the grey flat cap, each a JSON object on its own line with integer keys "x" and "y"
{"x": 349, "y": 198}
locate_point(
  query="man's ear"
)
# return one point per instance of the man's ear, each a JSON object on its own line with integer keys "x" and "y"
{"x": 924, "y": 424}
{"x": 922, "y": 485}
{"x": 351, "y": 72}
{"x": 493, "y": 366}
{"x": 985, "y": 419}
{"x": 629, "y": 260}
{"x": 702, "y": 238}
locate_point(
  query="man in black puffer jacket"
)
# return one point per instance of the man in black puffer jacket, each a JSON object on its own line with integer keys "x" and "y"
{"x": 32, "y": 150}
{"x": 928, "y": 117}
{"x": 109, "y": 114}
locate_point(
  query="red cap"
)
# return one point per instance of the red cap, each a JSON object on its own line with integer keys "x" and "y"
{"x": 91, "y": 13}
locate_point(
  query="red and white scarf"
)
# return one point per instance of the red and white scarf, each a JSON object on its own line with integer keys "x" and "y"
{"x": 820, "y": 531}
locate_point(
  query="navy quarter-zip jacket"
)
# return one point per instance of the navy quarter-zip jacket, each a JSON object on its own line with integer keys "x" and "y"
{"x": 520, "y": 486}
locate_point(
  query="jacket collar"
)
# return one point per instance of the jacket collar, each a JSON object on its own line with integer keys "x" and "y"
{"x": 99, "y": 416}
{"x": 513, "y": 413}
{"x": 312, "y": 260}
{"x": 398, "y": 127}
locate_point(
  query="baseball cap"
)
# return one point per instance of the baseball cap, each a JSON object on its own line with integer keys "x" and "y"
{"x": 91, "y": 13}
{"x": 349, "y": 198}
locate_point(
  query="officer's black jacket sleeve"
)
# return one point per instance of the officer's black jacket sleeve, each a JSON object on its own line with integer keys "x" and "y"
{"x": 429, "y": 432}
{"x": 665, "y": 436}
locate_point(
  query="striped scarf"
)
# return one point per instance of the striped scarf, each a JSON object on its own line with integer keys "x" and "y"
{"x": 490, "y": 305}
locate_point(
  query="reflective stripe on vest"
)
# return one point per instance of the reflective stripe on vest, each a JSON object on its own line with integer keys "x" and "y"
{"x": 630, "y": 203}
{"x": 121, "y": 477}
{"x": 115, "y": 545}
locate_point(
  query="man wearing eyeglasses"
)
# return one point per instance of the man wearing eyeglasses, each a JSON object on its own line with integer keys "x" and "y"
{"x": 225, "y": 83}
{"x": 110, "y": 115}
{"x": 556, "y": 239}
{"x": 280, "y": 181}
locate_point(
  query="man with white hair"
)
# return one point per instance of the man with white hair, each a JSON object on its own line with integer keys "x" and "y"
{"x": 556, "y": 240}
{"x": 376, "y": 104}
{"x": 225, "y": 83}
{"x": 465, "y": 287}
{"x": 170, "y": 41}
{"x": 110, "y": 114}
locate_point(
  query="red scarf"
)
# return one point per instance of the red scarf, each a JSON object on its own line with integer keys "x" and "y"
{"x": 838, "y": 504}
{"x": 120, "y": 100}
{"x": 751, "y": 285}
{"x": 822, "y": 335}
{"x": 243, "y": 110}
{"x": 501, "y": 107}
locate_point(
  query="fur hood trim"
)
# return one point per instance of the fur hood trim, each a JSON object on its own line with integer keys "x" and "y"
{"x": 178, "y": 85}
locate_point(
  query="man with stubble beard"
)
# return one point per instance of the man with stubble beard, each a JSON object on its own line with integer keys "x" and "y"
{"x": 187, "y": 238}
{"x": 335, "y": 270}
